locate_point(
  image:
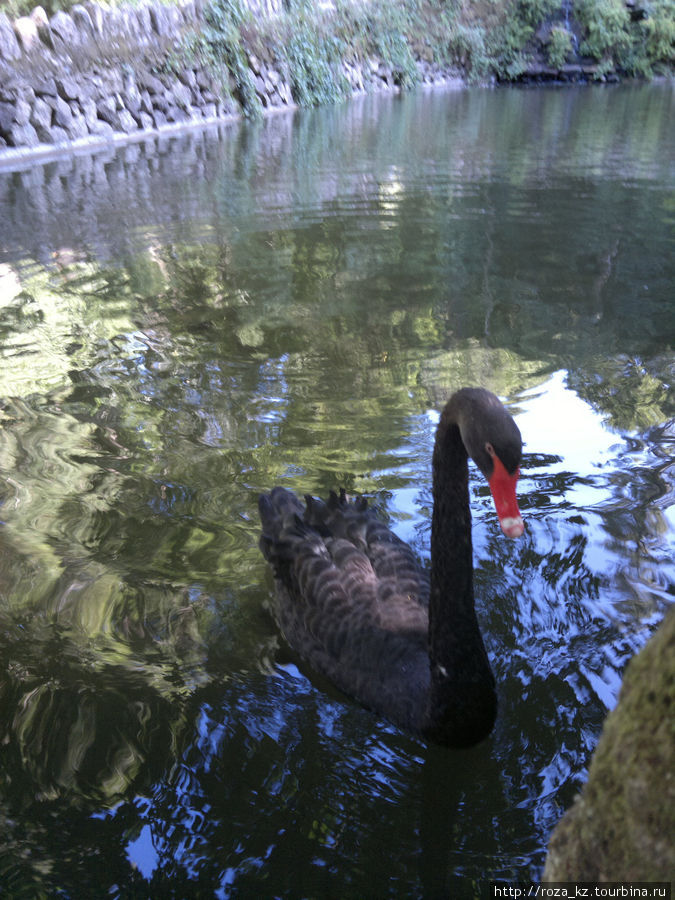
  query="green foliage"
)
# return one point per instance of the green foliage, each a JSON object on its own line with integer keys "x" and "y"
{"x": 638, "y": 48}
{"x": 508, "y": 41}
{"x": 383, "y": 30}
{"x": 658, "y": 31}
{"x": 389, "y": 28}
{"x": 314, "y": 56}
{"x": 220, "y": 45}
{"x": 312, "y": 46}
{"x": 605, "y": 24}
{"x": 470, "y": 50}
{"x": 560, "y": 47}
{"x": 608, "y": 34}
{"x": 532, "y": 12}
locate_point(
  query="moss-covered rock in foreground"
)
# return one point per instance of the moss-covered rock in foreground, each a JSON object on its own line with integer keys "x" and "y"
{"x": 621, "y": 826}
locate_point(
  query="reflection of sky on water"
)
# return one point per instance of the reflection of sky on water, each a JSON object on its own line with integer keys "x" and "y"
{"x": 554, "y": 420}
{"x": 582, "y": 486}
{"x": 555, "y": 423}
{"x": 142, "y": 854}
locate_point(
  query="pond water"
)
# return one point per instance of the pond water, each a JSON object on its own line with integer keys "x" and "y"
{"x": 188, "y": 322}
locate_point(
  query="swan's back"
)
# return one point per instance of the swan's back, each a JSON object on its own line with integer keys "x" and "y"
{"x": 351, "y": 600}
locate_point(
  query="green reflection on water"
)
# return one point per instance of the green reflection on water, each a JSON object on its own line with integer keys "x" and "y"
{"x": 284, "y": 305}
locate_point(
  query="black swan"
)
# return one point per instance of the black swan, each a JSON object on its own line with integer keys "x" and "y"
{"x": 355, "y": 602}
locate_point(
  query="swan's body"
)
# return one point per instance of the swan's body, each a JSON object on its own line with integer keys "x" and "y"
{"x": 355, "y": 602}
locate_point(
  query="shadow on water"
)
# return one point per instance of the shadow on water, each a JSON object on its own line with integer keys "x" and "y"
{"x": 185, "y": 325}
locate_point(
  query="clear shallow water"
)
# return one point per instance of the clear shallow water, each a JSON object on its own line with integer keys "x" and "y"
{"x": 184, "y": 325}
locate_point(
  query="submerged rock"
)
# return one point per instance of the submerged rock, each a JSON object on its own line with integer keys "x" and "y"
{"x": 621, "y": 826}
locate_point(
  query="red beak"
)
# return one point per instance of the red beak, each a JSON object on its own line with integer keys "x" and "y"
{"x": 503, "y": 487}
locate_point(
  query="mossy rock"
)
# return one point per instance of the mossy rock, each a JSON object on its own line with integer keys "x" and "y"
{"x": 621, "y": 826}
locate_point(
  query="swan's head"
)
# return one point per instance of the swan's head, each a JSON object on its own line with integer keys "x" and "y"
{"x": 492, "y": 439}
{"x": 503, "y": 487}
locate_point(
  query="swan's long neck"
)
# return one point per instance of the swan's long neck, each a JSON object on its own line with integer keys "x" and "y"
{"x": 462, "y": 700}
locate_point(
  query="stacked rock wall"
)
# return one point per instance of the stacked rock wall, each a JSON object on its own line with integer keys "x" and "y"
{"x": 97, "y": 72}
{"x": 101, "y": 74}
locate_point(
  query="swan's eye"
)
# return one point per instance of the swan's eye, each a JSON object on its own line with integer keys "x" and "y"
{"x": 489, "y": 449}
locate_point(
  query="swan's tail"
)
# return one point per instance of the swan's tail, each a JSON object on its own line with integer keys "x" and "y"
{"x": 283, "y": 527}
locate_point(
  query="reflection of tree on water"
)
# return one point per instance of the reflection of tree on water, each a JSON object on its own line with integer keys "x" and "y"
{"x": 76, "y": 734}
{"x": 634, "y": 392}
{"x": 79, "y": 730}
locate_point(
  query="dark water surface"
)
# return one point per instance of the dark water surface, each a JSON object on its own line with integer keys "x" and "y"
{"x": 187, "y": 323}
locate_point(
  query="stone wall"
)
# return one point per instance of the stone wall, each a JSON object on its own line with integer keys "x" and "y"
{"x": 96, "y": 73}
{"x": 100, "y": 74}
